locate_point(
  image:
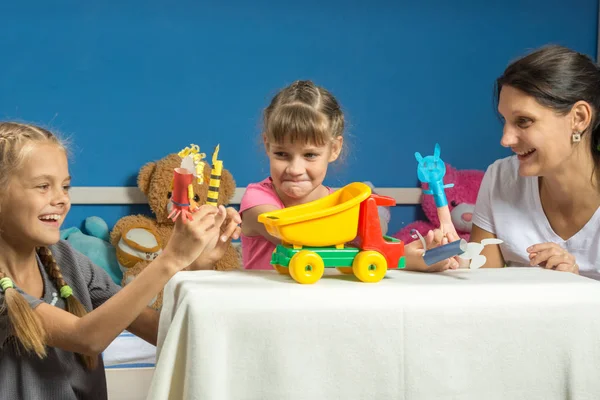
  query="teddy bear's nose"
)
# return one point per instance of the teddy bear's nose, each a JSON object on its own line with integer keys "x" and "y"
{"x": 467, "y": 217}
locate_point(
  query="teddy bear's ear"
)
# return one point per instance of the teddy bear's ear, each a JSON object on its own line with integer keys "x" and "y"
{"x": 145, "y": 175}
{"x": 227, "y": 188}
{"x": 207, "y": 170}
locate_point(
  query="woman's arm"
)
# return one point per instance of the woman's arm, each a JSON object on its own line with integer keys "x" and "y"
{"x": 492, "y": 253}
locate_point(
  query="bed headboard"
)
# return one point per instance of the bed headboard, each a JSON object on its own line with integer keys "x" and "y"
{"x": 132, "y": 195}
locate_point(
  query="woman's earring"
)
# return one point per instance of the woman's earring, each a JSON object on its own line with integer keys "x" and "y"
{"x": 576, "y": 137}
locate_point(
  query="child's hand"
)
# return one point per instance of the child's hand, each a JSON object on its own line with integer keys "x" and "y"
{"x": 190, "y": 239}
{"x": 228, "y": 220}
{"x": 446, "y": 225}
{"x": 552, "y": 256}
{"x": 452, "y": 236}
{"x": 414, "y": 253}
{"x": 449, "y": 232}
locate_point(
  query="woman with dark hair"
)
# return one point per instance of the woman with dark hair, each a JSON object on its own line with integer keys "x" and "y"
{"x": 544, "y": 201}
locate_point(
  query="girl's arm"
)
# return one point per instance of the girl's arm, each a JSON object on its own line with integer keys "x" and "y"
{"x": 251, "y": 226}
{"x": 492, "y": 253}
{"x": 92, "y": 333}
{"x": 145, "y": 325}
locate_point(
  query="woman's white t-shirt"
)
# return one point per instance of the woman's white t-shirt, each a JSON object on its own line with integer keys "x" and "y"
{"x": 508, "y": 205}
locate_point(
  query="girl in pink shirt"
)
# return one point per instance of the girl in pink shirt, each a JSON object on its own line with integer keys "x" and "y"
{"x": 303, "y": 133}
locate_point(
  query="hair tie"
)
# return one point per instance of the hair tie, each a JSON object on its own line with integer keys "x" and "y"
{"x": 66, "y": 291}
{"x": 6, "y": 283}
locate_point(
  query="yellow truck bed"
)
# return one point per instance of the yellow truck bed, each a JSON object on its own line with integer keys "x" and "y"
{"x": 330, "y": 221}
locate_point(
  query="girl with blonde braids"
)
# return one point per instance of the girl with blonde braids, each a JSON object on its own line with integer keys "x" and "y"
{"x": 59, "y": 311}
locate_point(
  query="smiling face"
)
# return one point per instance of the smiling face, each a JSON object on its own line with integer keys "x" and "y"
{"x": 37, "y": 200}
{"x": 538, "y": 135}
{"x": 298, "y": 169}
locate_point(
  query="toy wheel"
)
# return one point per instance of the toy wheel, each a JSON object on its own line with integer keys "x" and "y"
{"x": 369, "y": 266}
{"x": 306, "y": 267}
{"x": 345, "y": 270}
{"x": 281, "y": 269}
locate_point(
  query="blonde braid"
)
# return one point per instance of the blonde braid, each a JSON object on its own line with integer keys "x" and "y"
{"x": 6, "y": 144}
{"x": 26, "y": 325}
{"x": 74, "y": 306}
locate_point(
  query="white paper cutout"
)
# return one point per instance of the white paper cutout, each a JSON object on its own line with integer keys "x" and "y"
{"x": 474, "y": 250}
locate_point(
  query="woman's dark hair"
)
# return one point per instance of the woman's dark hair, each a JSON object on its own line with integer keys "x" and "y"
{"x": 558, "y": 77}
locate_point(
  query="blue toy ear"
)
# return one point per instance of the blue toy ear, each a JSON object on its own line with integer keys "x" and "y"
{"x": 95, "y": 245}
{"x": 102, "y": 253}
{"x": 437, "y": 151}
{"x": 97, "y": 227}
{"x": 65, "y": 233}
{"x": 418, "y": 156}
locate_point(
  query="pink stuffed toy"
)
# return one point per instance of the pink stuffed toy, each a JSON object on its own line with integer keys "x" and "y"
{"x": 461, "y": 202}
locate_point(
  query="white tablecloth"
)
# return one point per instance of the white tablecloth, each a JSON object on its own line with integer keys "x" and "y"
{"x": 512, "y": 333}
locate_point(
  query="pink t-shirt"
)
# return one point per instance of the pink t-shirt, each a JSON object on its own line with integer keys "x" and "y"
{"x": 257, "y": 250}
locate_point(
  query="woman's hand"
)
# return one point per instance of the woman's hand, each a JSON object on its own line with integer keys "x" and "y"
{"x": 228, "y": 220}
{"x": 552, "y": 256}
{"x": 414, "y": 253}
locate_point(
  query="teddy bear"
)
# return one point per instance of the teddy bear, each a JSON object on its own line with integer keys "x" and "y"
{"x": 461, "y": 202}
{"x": 139, "y": 239}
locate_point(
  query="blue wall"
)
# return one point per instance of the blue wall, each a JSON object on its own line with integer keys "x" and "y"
{"x": 131, "y": 82}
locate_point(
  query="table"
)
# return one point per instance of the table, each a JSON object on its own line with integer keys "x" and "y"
{"x": 511, "y": 333}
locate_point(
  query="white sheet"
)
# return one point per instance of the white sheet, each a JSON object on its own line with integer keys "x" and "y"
{"x": 512, "y": 333}
{"x": 129, "y": 351}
